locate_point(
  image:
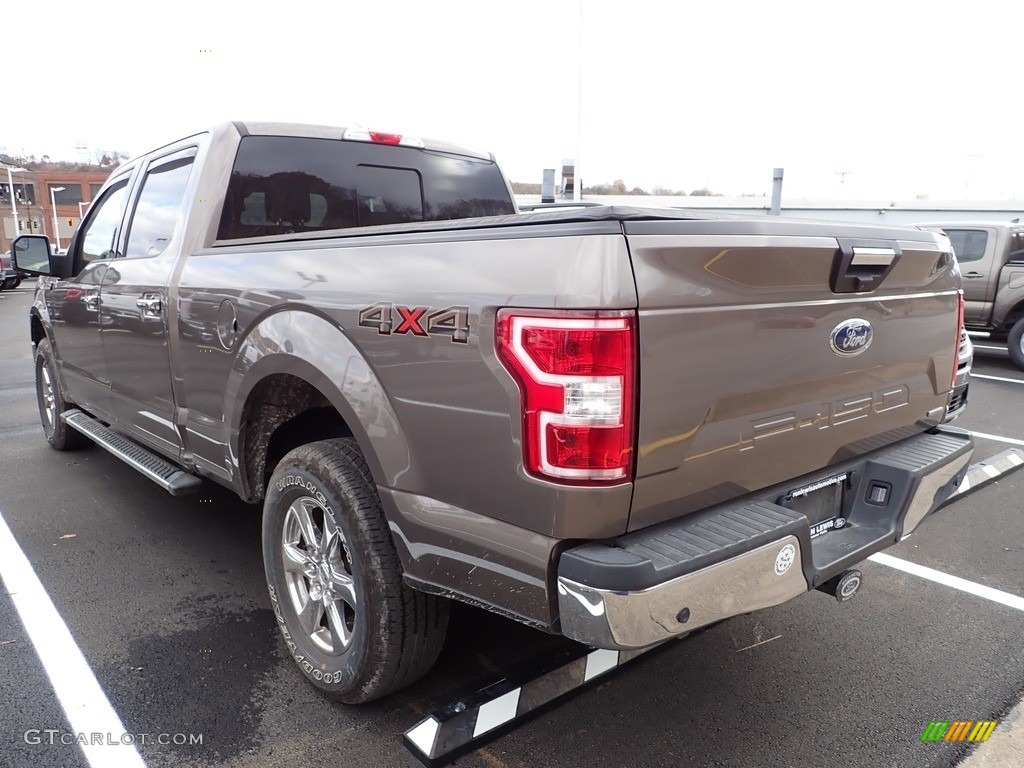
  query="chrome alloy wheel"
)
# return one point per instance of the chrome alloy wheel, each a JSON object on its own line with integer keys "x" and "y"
{"x": 318, "y": 575}
{"x": 49, "y": 401}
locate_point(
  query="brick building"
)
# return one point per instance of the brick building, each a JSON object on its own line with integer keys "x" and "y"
{"x": 32, "y": 199}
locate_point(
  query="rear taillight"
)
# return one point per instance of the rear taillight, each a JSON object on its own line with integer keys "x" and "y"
{"x": 577, "y": 377}
{"x": 959, "y": 332}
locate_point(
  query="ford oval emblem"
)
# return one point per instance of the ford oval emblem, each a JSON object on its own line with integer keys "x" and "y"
{"x": 851, "y": 337}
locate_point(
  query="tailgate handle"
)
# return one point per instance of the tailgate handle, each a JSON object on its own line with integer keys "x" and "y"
{"x": 860, "y": 266}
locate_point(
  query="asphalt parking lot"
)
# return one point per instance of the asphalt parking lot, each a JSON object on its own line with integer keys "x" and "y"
{"x": 166, "y": 600}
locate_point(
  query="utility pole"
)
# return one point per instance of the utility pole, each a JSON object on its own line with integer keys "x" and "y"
{"x": 576, "y": 184}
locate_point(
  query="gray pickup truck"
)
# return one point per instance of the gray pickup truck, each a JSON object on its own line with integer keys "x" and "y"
{"x": 616, "y": 424}
{"x": 991, "y": 255}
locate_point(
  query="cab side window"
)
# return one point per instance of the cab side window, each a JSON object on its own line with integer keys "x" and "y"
{"x": 156, "y": 212}
{"x": 968, "y": 244}
{"x": 98, "y": 236}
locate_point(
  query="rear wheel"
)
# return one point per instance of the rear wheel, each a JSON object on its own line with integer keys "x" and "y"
{"x": 51, "y": 403}
{"x": 354, "y": 628}
{"x": 1015, "y": 344}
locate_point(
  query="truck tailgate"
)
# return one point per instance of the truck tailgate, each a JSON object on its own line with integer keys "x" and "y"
{"x": 762, "y": 358}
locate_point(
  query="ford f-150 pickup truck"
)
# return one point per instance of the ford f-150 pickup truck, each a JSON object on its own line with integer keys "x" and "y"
{"x": 616, "y": 424}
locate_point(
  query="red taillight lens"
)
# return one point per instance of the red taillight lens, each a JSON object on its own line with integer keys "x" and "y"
{"x": 959, "y": 332}
{"x": 577, "y": 375}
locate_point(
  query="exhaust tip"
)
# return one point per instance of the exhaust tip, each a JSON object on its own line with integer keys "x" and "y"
{"x": 844, "y": 586}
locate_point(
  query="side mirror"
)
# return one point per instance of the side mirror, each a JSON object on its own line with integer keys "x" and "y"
{"x": 31, "y": 254}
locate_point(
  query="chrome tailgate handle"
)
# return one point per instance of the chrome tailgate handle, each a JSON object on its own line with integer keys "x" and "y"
{"x": 860, "y": 266}
{"x": 872, "y": 257}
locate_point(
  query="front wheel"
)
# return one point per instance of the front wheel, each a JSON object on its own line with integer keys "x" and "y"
{"x": 59, "y": 435}
{"x": 1015, "y": 344}
{"x": 354, "y": 628}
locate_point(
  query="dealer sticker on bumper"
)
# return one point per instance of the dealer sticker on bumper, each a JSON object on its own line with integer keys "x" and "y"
{"x": 832, "y": 524}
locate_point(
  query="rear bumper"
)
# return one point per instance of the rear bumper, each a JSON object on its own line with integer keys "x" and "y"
{"x": 753, "y": 553}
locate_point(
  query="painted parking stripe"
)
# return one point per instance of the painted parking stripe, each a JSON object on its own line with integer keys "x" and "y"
{"x": 955, "y": 582}
{"x": 987, "y": 348}
{"x": 998, "y": 438}
{"x": 465, "y": 725}
{"x": 87, "y": 708}
{"x": 996, "y": 378}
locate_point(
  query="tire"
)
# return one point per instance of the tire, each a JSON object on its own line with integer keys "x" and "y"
{"x": 370, "y": 635}
{"x": 17, "y": 283}
{"x": 1014, "y": 342}
{"x": 51, "y": 402}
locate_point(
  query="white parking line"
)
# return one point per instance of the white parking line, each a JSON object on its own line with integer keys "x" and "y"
{"x": 998, "y": 438}
{"x": 996, "y": 378}
{"x": 995, "y": 595}
{"x": 987, "y": 348}
{"x": 86, "y": 706}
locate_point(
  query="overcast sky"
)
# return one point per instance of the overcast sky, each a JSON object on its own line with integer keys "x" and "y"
{"x": 908, "y": 98}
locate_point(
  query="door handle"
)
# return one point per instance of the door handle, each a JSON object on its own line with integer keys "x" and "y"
{"x": 150, "y": 306}
{"x": 973, "y": 275}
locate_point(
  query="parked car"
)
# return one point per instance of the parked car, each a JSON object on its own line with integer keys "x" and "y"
{"x": 9, "y": 278}
{"x": 616, "y": 424}
{"x": 991, "y": 259}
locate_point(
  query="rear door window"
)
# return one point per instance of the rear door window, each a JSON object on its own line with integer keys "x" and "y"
{"x": 968, "y": 244}
{"x": 159, "y": 205}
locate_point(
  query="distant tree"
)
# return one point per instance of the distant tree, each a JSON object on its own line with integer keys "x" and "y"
{"x": 637, "y": 191}
{"x": 704, "y": 192}
{"x": 46, "y": 163}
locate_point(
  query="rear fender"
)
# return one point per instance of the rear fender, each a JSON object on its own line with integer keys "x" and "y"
{"x": 312, "y": 348}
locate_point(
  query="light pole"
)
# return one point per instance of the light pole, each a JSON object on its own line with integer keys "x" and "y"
{"x": 53, "y": 202}
{"x": 577, "y": 192}
{"x": 81, "y": 211}
{"x": 10, "y": 188}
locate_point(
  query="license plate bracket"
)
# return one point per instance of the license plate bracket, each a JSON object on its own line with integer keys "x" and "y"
{"x": 821, "y": 503}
